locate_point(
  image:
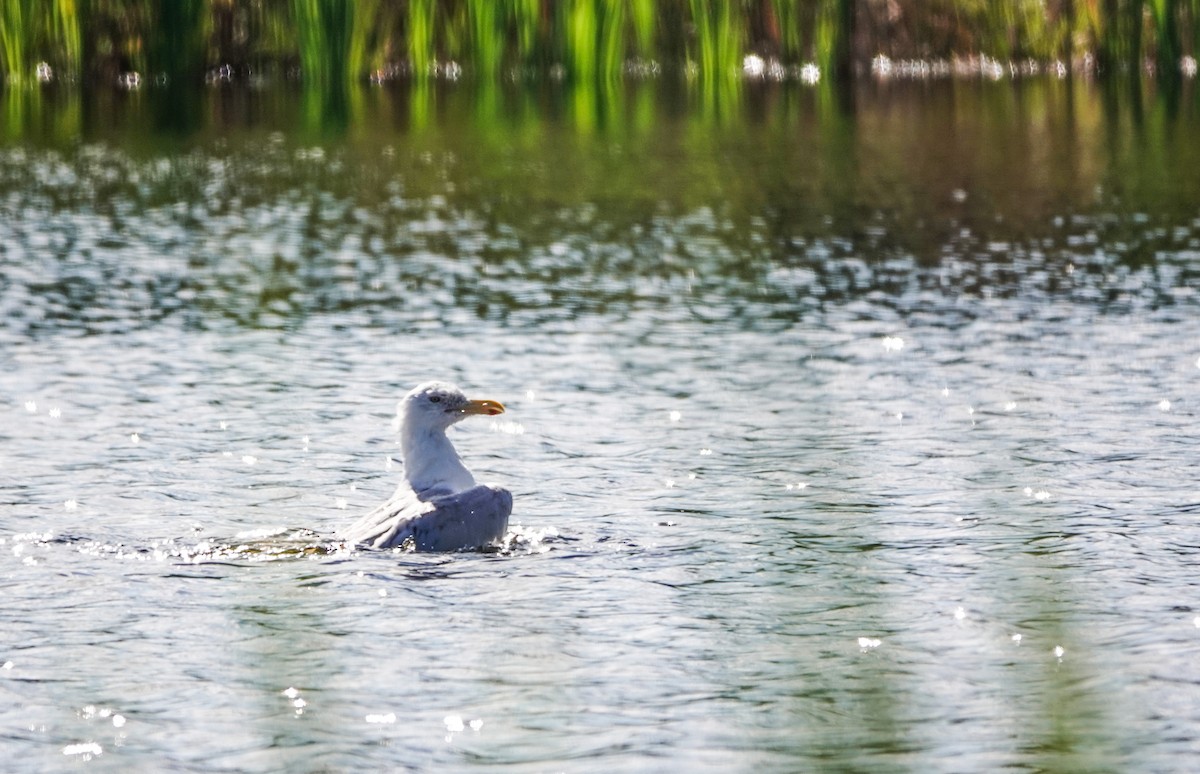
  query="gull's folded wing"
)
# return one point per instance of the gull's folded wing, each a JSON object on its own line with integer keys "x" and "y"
{"x": 471, "y": 518}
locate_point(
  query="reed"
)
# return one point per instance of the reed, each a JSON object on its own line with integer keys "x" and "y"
{"x": 336, "y": 38}
{"x": 525, "y": 17}
{"x": 1194, "y": 24}
{"x": 834, "y": 35}
{"x": 1168, "y": 44}
{"x": 483, "y": 37}
{"x": 45, "y": 34}
{"x": 718, "y": 45}
{"x": 363, "y": 49}
{"x": 16, "y": 17}
{"x": 595, "y": 43}
{"x": 178, "y": 41}
{"x": 642, "y": 17}
{"x": 421, "y": 53}
{"x": 340, "y": 41}
{"x": 1120, "y": 43}
{"x": 64, "y": 39}
{"x": 580, "y": 37}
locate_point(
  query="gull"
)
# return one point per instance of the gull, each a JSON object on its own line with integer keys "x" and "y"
{"x": 438, "y": 506}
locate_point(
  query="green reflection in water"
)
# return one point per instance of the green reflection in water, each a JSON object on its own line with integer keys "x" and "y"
{"x": 919, "y": 162}
{"x": 882, "y": 169}
{"x": 1066, "y": 705}
{"x": 287, "y": 654}
{"x": 53, "y": 116}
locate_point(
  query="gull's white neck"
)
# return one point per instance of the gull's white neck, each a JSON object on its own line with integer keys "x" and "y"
{"x": 430, "y": 461}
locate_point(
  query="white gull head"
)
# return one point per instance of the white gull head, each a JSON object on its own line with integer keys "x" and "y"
{"x": 430, "y": 460}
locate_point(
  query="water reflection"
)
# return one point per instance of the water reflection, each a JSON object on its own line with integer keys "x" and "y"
{"x": 873, "y": 183}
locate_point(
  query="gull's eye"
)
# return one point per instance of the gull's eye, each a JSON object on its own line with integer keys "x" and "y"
{"x": 435, "y": 398}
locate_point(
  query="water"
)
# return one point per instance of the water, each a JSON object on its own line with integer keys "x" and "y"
{"x": 842, "y": 436}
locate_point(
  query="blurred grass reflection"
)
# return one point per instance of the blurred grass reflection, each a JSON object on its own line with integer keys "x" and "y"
{"x": 1082, "y": 139}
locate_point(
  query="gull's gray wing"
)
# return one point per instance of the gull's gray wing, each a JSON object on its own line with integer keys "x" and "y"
{"x": 436, "y": 521}
{"x": 389, "y": 524}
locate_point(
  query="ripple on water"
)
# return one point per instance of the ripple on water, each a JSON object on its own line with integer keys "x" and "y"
{"x": 777, "y": 495}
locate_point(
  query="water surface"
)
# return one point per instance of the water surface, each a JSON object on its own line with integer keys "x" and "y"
{"x": 845, "y": 433}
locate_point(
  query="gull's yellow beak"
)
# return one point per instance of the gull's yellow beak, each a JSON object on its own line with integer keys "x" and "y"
{"x": 488, "y": 408}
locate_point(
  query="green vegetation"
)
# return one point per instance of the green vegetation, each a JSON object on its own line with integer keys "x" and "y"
{"x": 341, "y": 41}
{"x": 32, "y": 32}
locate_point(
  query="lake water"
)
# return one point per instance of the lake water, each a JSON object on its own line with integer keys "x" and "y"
{"x": 846, "y": 432}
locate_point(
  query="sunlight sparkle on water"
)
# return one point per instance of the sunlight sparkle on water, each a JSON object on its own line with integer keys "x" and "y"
{"x": 83, "y": 748}
{"x": 1164, "y": 405}
{"x": 529, "y": 539}
{"x": 675, "y": 416}
{"x": 869, "y": 643}
{"x": 1059, "y": 651}
{"x": 293, "y": 695}
{"x": 382, "y": 718}
{"x": 92, "y": 711}
{"x": 1017, "y": 638}
{"x": 455, "y": 724}
{"x": 893, "y": 343}
{"x": 135, "y": 438}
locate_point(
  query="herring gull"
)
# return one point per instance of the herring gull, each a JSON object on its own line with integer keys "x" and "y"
{"x": 438, "y": 506}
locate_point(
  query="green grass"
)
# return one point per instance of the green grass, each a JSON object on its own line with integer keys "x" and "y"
{"x": 33, "y": 32}
{"x": 178, "y": 40}
{"x": 342, "y": 41}
{"x": 422, "y": 15}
